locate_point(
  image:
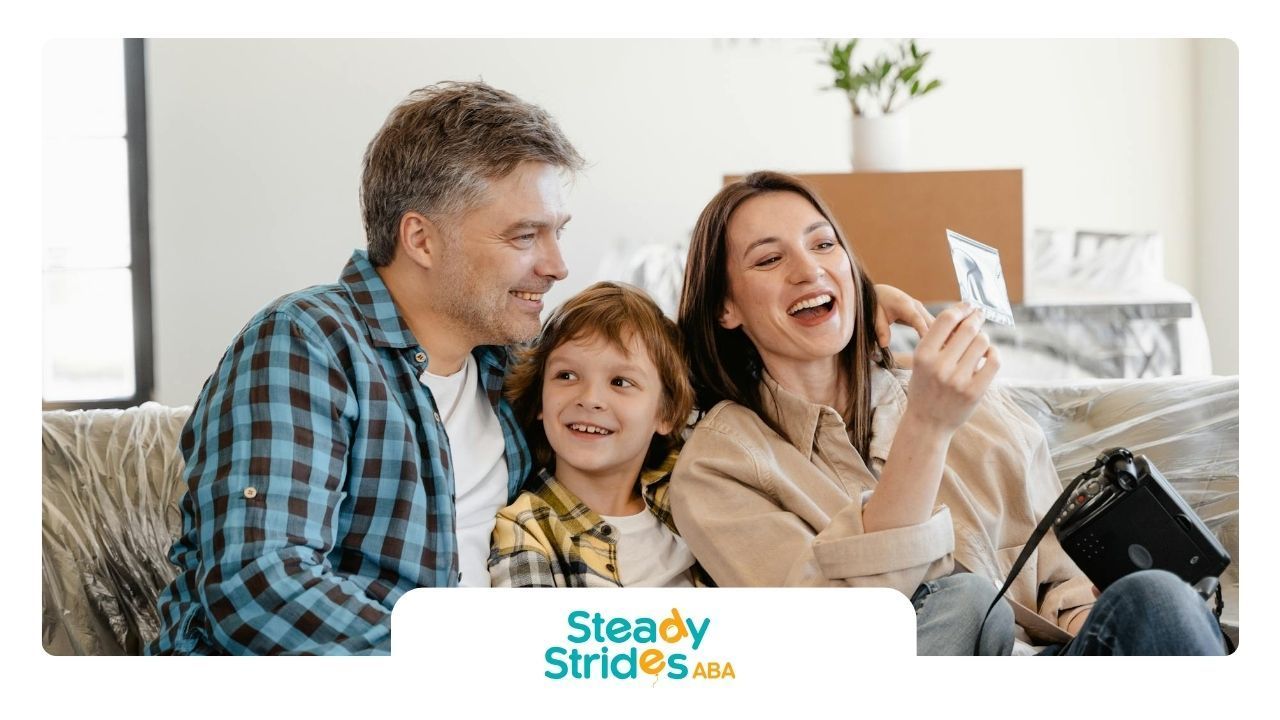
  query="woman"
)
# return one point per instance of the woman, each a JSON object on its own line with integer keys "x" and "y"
{"x": 788, "y": 479}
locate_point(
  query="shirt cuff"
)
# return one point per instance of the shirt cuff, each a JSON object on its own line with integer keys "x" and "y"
{"x": 1067, "y": 599}
{"x": 884, "y": 551}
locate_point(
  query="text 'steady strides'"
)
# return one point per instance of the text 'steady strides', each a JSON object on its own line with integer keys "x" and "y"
{"x": 608, "y": 648}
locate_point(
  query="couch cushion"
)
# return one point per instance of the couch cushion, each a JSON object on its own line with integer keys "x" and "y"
{"x": 112, "y": 483}
{"x": 111, "y": 486}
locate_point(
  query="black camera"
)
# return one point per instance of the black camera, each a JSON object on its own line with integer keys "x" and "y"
{"x": 1124, "y": 516}
{"x": 1121, "y": 516}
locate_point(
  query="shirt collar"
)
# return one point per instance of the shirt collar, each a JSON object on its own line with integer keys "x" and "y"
{"x": 800, "y": 419}
{"x": 579, "y": 519}
{"x": 576, "y": 516}
{"x": 374, "y": 303}
{"x": 386, "y": 327}
{"x": 651, "y": 478}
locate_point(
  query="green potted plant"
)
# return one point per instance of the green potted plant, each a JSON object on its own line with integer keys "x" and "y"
{"x": 878, "y": 90}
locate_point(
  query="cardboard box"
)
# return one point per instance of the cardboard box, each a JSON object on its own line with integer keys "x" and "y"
{"x": 897, "y": 222}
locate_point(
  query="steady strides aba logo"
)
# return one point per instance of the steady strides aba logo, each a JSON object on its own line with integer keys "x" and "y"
{"x": 600, "y": 648}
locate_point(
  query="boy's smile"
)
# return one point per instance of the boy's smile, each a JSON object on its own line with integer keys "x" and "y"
{"x": 600, "y": 409}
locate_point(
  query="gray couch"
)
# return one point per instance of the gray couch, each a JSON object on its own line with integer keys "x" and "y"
{"x": 112, "y": 482}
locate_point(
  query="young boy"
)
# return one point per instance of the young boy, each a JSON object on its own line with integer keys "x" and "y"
{"x": 602, "y": 394}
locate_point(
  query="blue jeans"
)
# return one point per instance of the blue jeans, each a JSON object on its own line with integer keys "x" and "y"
{"x": 1149, "y": 612}
{"x": 949, "y": 611}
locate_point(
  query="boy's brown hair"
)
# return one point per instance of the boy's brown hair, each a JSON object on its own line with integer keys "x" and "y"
{"x": 615, "y": 312}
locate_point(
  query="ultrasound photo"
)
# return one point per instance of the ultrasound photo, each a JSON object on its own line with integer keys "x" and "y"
{"x": 980, "y": 276}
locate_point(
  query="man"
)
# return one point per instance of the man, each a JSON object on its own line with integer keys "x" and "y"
{"x": 321, "y": 481}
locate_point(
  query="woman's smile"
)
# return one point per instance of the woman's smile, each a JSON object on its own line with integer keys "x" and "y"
{"x": 813, "y": 309}
{"x": 790, "y": 281}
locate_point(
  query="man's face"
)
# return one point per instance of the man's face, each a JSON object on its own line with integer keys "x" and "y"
{"x": 502, "y": 257}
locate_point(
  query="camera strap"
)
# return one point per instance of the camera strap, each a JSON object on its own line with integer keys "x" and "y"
{"x": 1034, "y": 541}
{"x": 1217, "y": 613}
{"x": 1038, "y": 534}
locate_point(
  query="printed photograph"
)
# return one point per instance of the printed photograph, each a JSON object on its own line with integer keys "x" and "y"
{"x": 980, "y": 276}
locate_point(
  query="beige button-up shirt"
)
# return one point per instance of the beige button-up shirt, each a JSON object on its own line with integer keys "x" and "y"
{"x": 758, "y": 509}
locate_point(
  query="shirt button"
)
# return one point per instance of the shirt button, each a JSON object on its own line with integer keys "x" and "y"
{"x": 436, "y": 416}
{"x": 606, "y": 529}
{"x": 250, "y": 493}
{"x": 609, "y": 567}
{"x": 420, "y": 357}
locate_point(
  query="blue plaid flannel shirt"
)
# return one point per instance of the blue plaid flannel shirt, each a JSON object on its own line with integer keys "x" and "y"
{"x": 319, "y": 482}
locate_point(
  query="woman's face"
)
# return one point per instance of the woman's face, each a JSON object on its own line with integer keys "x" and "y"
{"x": 790, "y": 281}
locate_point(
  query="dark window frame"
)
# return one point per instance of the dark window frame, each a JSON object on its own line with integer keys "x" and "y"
{"x": 135, "y": 92}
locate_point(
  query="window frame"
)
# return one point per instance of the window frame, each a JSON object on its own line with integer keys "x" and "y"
{"x": 135, "y": 92}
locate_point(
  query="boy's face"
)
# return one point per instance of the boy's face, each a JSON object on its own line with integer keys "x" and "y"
{"x": 600, "y": 406}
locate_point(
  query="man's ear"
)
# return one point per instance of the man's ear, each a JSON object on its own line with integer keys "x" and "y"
{"x": 729, "y": 317}
{"x": 420, "y": 239}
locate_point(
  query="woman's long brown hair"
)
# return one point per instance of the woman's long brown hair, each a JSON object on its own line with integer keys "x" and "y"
{"x": 725, "y": 363}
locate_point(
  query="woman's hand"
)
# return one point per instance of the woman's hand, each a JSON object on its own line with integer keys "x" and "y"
{"x": 954, "y": 365}
{"x": 945, "y": 388}
{"x": 896, "y": 307}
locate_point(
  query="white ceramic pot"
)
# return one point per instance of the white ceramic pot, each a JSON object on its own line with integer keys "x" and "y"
{"x": 881, "y": 143}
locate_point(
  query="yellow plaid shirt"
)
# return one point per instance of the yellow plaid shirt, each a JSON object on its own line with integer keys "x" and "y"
{"x": 550, "y": 538}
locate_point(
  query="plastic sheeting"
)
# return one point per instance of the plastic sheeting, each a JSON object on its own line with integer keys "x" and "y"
{"x": 1127, "y": 327}
{"x": 111, "y": 486}
{"x": 112, "y": 483}
{"x": 1100, "y": 340}
{"x": 1093, "y": 336}
{"x": 1188, "y": 427}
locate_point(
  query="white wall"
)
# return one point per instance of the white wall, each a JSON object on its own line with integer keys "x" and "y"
{"x": 256, "y": 147}
{"x": 1217, "y": 170}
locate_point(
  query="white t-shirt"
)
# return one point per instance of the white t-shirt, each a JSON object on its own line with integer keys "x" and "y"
{"x": 650, "y": 555}
{"x": 479, "y": 464}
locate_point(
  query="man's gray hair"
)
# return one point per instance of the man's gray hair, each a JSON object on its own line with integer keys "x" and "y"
{"x": 440, "y": 147}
